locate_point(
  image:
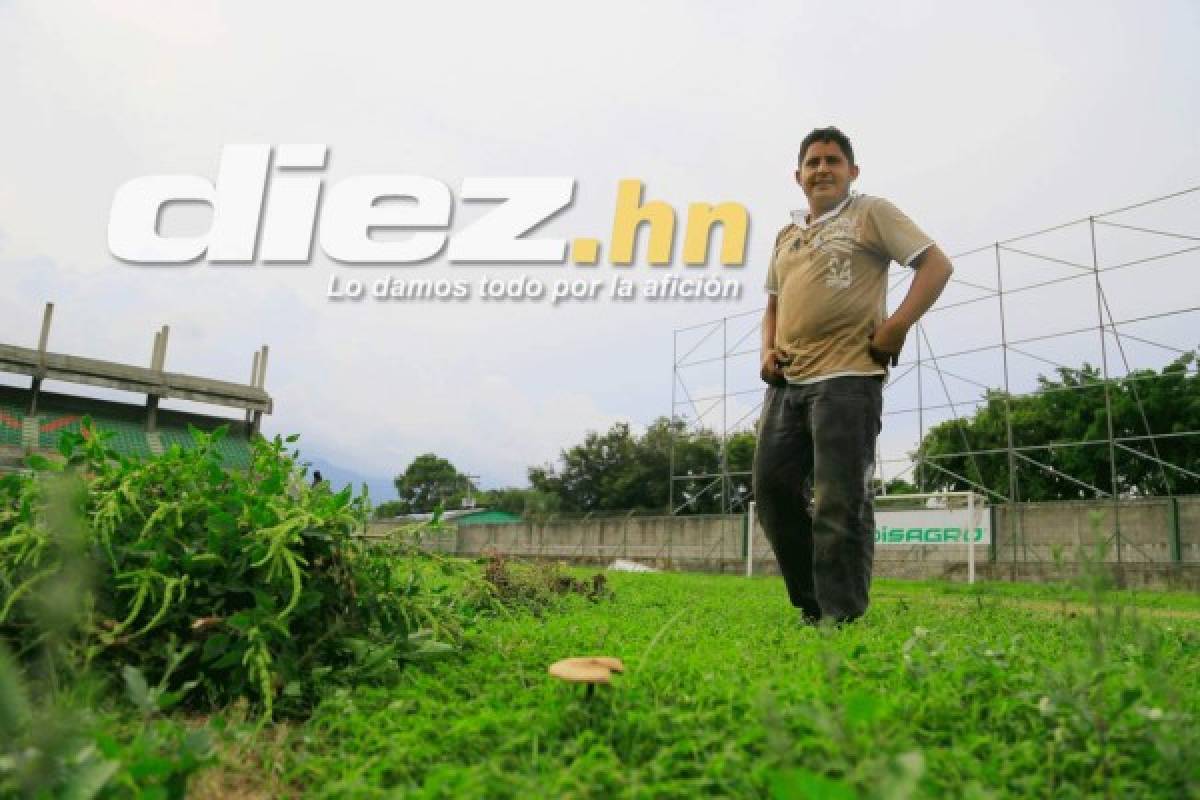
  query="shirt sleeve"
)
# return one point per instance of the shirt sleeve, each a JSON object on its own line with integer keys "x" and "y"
{"x": 772, "y": 285}
{"x": 897, "y": 236}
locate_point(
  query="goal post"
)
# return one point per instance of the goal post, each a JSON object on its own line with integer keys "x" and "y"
{"x": 935, "y": 519}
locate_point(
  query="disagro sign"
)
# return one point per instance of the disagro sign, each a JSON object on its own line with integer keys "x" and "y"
{"x": 933, "y": 526}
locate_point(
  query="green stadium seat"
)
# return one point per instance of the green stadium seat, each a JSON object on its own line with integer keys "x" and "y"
{"x": 11, "y": 419}
{"x": 125, "y": 424}
{"x": 234, "y": 450}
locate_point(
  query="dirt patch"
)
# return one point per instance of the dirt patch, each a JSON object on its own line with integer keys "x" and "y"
{"x": 244, "y": 766}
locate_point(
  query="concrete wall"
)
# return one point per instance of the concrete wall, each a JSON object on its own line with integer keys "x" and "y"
{"x": 1037, "y": 531}
{"x": 667, "y": 541}
{"x": 1032, "y": 542}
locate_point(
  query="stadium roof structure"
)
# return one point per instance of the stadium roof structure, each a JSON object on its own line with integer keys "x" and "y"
{"x": 32, "y": 420}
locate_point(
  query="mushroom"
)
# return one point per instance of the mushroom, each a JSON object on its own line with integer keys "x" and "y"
{"x": 590, "y": 670}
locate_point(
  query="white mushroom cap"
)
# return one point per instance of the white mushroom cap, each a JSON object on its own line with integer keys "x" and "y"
{"x": 590, "y": 669}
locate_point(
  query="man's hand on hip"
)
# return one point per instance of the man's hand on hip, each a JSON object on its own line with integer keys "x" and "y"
{"x": 887, "y": 342}
{"x": 772, "y": 368}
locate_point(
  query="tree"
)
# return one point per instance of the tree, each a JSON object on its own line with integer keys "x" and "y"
{"x": 619, "y": 471}
{"x": 595, "y": 475}
{"x": 1067, "y": 411}
{"x": 522, "y": 502}
{"x": 390, "y": 508}
{"x": 428, "y": 482}
{"x": 739, "y": 451}
{"x": 895, "y": 486}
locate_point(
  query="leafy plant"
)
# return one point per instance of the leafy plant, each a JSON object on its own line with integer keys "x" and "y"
{"x": 257, "y": 576}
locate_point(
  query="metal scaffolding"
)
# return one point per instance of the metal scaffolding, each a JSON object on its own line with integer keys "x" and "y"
{"x": 1011, "y": 307}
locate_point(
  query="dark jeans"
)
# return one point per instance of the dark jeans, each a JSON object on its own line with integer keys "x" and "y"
{"x": 812, "y": 488}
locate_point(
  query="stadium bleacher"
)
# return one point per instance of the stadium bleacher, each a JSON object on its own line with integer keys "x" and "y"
{"x": 34, "y": 420}
{"x": 60, "y": 413}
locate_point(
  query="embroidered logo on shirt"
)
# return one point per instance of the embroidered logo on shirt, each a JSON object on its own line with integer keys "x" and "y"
{"x": 839, "y": 275}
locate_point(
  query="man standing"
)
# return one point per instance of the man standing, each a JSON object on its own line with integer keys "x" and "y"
{"x": 826, "y": 343}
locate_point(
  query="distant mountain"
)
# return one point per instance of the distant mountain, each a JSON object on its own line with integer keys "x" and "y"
{"x": 381, "y": 488}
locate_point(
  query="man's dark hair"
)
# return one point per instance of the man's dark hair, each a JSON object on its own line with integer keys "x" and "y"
{"x": 830, "y": 134}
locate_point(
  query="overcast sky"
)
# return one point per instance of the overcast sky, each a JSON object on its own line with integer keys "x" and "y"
{"x": 981, "y": 120}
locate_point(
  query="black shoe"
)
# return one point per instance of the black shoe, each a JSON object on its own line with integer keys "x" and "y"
{"x": 809, "y": 619}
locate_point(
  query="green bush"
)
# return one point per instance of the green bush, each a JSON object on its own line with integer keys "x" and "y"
{"x": 257, "y": 576}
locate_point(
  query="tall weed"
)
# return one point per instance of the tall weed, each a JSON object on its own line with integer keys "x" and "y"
{"x": 257, "y": 576}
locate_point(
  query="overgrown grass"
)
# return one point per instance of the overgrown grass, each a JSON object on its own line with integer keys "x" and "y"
{"x": 169, "y": 583}
{"x": 727, "y": 695}
{"x": 132, "y": 590}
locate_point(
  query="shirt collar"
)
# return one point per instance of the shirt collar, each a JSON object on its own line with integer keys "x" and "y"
{"x": 799, "y": 215}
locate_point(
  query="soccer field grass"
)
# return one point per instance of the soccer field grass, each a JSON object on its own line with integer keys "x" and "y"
{"x": 939, "y": 691}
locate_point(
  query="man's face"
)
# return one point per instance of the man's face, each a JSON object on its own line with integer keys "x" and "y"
{"x": 825, "y": 176}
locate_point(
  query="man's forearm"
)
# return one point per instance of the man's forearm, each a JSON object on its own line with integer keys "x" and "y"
{"x": 933, "y": 271}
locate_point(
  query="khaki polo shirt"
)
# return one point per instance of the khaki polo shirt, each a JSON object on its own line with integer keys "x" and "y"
{"x": 831, "y": 280}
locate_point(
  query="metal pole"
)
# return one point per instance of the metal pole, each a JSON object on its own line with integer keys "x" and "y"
{"x": 920, "y": 472}
{"x": 971, "y": 538}
{"x": 724, "y": 419}
{"x": 1112, "y": 449}
{"x": 671, "y": 421}
{"x": 1012, "y": 458}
